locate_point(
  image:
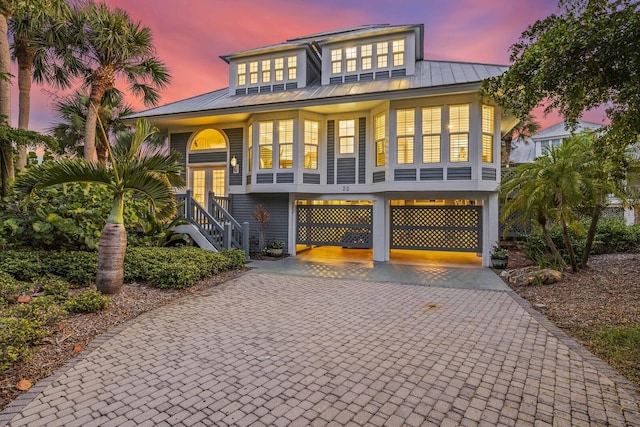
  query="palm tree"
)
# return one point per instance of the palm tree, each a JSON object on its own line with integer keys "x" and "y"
{"x": 35, "y": 34}
{"x": 525, "y": 127}
{"x": 135, "y": 168}
{"x": 72, "y": 113}
{"x": 108, "y": 45}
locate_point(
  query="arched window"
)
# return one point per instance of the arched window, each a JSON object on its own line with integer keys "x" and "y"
{"x": 208, "y": 139}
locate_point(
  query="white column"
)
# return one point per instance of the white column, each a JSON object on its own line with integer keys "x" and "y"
{"x": 629, "y": 215}
{"x": 490, "y": 227}
{"x": 381, "y": 228}
{"x": 293, "y": 224}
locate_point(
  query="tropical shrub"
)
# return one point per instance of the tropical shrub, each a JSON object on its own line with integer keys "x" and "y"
{"x": 76, "y": 267}
{"x": 87, "y": 302}
{"x": 9, "y": 288}
{"x": 17, "y": 337}
{"x": 43, "y": 311}
{"x": 54, "y": 287}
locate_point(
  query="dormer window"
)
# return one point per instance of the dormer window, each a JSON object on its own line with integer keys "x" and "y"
{"x": 382, "y": 53}
{"x": 266, "y": 71}
{"x": 278, "y": 65}
{"x": 398, "y": 53}
{"x": 292, "y": 67}
{"x": 253, "y": 72}
{"x": 336, "y": 61}
{"x": 242, "y": 74}
{"x": 351, "y": 54}
{"x": 366, "y": 52}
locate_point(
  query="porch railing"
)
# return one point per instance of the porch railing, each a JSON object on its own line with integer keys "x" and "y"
{"x": 216, "y": 225}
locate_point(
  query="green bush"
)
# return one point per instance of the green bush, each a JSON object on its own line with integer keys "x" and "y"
{"x": 44, "y": 311}
{"x": 87, "y": 302}
{"x": 55, "y": 287}
{"x": 17, "y": 337}
{"x": 611, "y": 236}
{"x": 236, "y": 257}
{"x": 76, "y": 267}
{"x": 10, "y": 288}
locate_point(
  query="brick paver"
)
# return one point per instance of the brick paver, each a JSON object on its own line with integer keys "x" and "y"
{"x": 270, "y": 349}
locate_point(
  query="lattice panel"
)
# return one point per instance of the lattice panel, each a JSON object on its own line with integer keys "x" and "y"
{"x": 346, "y": 226}
{"x": 441, "y": 216}
{"x": 444, "y": 228}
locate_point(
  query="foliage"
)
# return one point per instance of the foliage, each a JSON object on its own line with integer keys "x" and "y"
{"x": 55, "y": 287}
{"x": 87, "y": 302}
{"x": 151, "y": 232}
{"x": 44, "y": 222}
{"x": 579, "y": 60}
{"x": 17, "y": 336}
{"x": 76, "y": 267}
{"x": 498, "y": 252}
{"x": 262, "y": 216}
{"x": 275, "y": 244}
{"x": 612, "y": 236}
{"x": 177, "y": 268}
{"x": 10, "y": 288}
{"x": 237, "y": 258}
{"x": 41, "y": 310}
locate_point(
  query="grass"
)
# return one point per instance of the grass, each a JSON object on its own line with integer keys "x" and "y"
{"x": 619, "y": 346}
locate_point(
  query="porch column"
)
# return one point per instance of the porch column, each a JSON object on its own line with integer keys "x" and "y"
{"x": 490, "y": 228}
{"x": 381, "y": 229}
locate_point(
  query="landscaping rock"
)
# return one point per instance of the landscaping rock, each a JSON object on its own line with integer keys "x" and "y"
{"x": 533, "y": 276}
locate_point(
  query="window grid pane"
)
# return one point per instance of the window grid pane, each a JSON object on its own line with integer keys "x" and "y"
{"x": 250, "y": 147}
{"x": 292, "y": 70}
{"x": 310, "y": 144}
{"x": 286, "y": 156}
{"x": 405, "y": 122}
{"x": 253, "y": 72}
{"x": 487, "y": 148}
{"x": 459, "y": 118}
{"x": 381, "y": 156}
{"x": 431, "y": 120}
{"x": 459, "y": 148}
{"x": 431, "y": 149}
{"x": 265, "y": 140}
{"x": 382, "y": 50}
{"x": 380, "y": 125}
{"x": 405, "y": 150}
{"x": 310, "y": 156}
{"x": 487, "y": 119}
{"x": 351, "y": 65}
{"x": 219, "y": 181}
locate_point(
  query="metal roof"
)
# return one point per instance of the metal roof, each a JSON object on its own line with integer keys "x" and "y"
{"x": 429, "y": 74}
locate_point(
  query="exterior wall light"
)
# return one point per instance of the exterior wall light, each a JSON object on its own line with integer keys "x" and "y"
{"x": 234, "y": 164}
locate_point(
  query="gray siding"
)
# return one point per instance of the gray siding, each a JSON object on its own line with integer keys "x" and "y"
{"x": 431, "y": 174}
{"x": 346, "y": 170}
{"x": 362, "y": 150}
{"x": 264, "y": 178}
{"x": 489, "y": 174}
{"x": 331, "y": 150}
{"x": 379, "y": 176}
{"x": 235, "y": 149}
{"x": 284, "y": 178}
{"x": 458, "y": 173}
{"x": 404, "y": 175}
{"x": 216, "y": 157}
{"x": 243, "y": 205}
{"x": 178, "y": 142}
{"x": 311, "y": 178}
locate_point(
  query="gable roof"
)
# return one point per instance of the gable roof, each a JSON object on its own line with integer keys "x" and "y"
{"x": 560, "y": 130}
{"x": 430, "y": 75}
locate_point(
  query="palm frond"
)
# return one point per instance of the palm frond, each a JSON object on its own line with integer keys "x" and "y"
{"x": 157, "y": 190}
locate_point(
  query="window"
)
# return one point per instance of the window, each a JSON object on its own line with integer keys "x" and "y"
{"x": 405, "y": 130}
{"x": 253, "y": 72}
{"x": 459, "y": 133}
{"x": 266, "y": 71}
{"x": 365, "y": 56}
{"x": 285, "y": 142}
{"x": 431, "y": 129}
{"x": 208, "y": 139}
{"x": 398, "y": 53}
{"x": 351, "y": 54}
{"x": 336, "y": 61}
{"x": 278, "y": 66}
{"x": 265, "y": 141}
{"x": 380, "y": 125}
{"x": 310, "y": 144}
{"x": 292, "y": 67}
{"x": 487, "y": 133}
{"x": 242, "y": 74}
{"x": 548, "y": 144}
{"x": 382, "y": 54}
{"x": 346, "y": 135}
{"x": 250, "y": 147}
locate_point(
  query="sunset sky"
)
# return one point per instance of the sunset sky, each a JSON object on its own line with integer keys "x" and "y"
{"x": 191, "y": 35}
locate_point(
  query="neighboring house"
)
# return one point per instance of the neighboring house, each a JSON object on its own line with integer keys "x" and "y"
{"x": 348, "y": 138}
{"x": 525, "y": 150}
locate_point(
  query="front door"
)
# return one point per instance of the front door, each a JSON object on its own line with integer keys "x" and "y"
{"x": 208, "y": 179}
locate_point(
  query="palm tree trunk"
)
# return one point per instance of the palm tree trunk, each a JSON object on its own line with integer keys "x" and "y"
{"x": 25, "y": 56}
{"x": 542, "y": 220}
{"x": 591, "y": 234}
{"x": 6, "y": 166}
{"x": 567, "y": 243}
{"x": 90, "y": 134}
{"x": 111, "y": 251}
{"x": 5, "y": 70}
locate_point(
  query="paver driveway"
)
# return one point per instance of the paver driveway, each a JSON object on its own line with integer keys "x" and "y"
{"x": 272, "y": 349}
